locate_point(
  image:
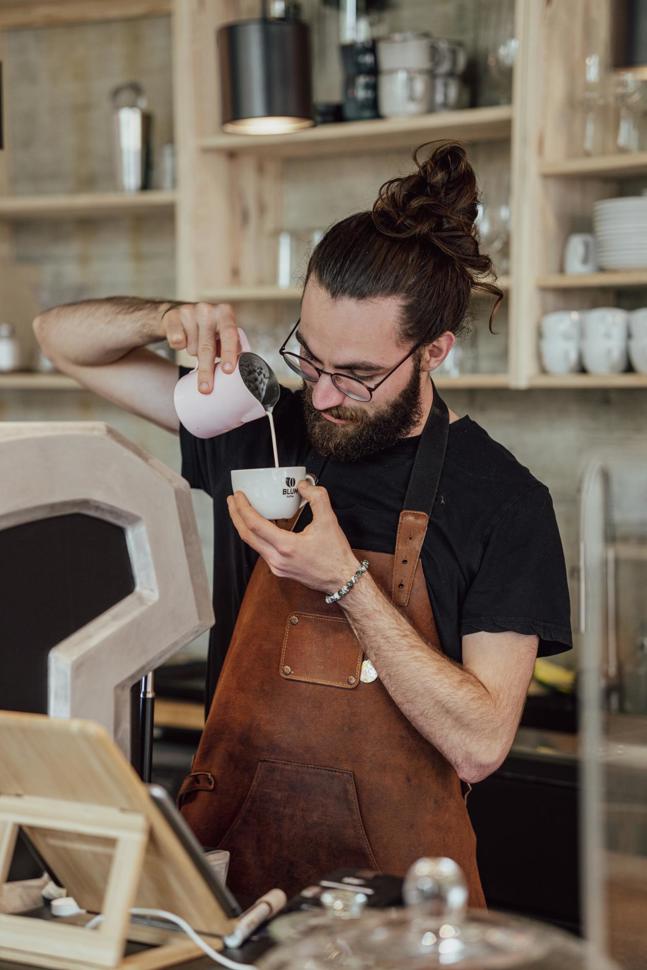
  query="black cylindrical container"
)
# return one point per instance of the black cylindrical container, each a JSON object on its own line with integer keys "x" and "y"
{"x": 629, "y": 30}
{"x": 265, "y": 73}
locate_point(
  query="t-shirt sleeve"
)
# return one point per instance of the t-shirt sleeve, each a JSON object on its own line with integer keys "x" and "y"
{"x": 192, "y": 451}
{"x": 521, "y": 584}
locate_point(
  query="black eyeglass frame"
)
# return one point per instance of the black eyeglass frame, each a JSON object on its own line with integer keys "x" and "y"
{"x": 333, "y": 374}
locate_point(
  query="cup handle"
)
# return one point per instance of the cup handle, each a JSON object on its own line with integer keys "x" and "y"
{"x": 313, "y": 481}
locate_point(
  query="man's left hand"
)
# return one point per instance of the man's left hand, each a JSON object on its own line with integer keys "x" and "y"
{"x": 320, "y": 557}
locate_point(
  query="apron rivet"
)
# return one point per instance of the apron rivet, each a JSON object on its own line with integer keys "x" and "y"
{"x": 294, "y": 620}
{"x": 287, "y": 670}
{"x": 352, "y": 680}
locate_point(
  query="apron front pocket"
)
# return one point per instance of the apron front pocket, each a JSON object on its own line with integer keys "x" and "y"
{"x": 298, "y": 822}
{"x": 320, "y": 649}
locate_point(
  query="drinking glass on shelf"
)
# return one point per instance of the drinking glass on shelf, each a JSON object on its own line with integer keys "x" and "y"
{"x": 631, "y": 100}
{"x": 493, "y": 226}
{"x": 496, "y": 52}
{"x": 294, "y": 248}
{"x": 596, "y": 112}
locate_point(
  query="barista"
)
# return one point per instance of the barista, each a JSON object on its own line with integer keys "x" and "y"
{"x": 339, "y": 732}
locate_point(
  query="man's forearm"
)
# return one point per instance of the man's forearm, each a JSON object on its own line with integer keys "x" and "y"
{"x": 447, "y": 704}
{"x": 96, "y": 332}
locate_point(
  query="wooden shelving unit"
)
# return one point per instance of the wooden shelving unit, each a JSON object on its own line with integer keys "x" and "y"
{"x": 607, "y": 278}
{"x": 474, "y": 124}
{"x": 278, "y": 294}
{"x": 86, "y": 205}
{"x": 232, "y": 189}
{"x": 590, "y": 381}
{"x": 603, "y": 166}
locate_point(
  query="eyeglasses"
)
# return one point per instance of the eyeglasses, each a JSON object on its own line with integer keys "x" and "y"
{"x": 351, "y": 387}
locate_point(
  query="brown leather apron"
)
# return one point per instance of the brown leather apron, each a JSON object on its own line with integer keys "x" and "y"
{"x": 303, "y": 767}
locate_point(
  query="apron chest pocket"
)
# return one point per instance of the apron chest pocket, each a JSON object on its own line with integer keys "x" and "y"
{"x": 319, "y": 649}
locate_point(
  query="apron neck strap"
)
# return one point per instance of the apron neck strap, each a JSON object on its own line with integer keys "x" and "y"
{"x": 419, "y": 500}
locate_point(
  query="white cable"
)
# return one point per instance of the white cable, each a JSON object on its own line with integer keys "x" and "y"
{"x": 162, "y": 914}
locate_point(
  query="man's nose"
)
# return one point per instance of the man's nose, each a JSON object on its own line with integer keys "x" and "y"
{"x": 325, "y": 395}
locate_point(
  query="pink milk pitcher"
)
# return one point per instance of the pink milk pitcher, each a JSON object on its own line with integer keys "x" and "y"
{"x": 248, "y": 393}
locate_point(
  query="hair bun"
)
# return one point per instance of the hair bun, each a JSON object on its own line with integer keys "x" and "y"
{"x": 437, "y": 202}
{"x": 437, "y": 205}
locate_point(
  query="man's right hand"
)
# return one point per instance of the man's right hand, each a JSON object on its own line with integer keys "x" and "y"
{"x": 205, "y": 331}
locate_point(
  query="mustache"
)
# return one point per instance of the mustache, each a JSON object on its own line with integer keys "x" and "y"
{"x": 345, "y": 414}
{"x": 342, "y": 413}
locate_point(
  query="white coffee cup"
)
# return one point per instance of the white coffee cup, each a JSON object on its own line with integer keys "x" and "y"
{"x": 560, "y": 356}
{"x": 638, "y": 354}
{"x": 638, "y": 323}
{"x": 604, "y": 356}
{"x": 561, "y": 324}
{"x": 272, "y": 491}
{"x": 605, "y": 323}
{"x": 580, "y": 253}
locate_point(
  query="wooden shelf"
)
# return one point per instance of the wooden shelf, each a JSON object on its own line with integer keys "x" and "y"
{"x": 277, "y": 294}
{"x": 617, "y": 166}
{"x": 590, "y": 381}
{"x": 468, "y": 125}
{"x": 473, "y": 382}
{"x": 252, "y": 294}
{"x": 86, "y": 205}
{"x": 24, "y": 381}
{"x": 584, "y": 281}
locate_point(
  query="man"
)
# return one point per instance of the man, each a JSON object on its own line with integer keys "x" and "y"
{"x": 339, "y": 732}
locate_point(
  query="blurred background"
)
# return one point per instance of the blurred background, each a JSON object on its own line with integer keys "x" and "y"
{"x": 143, "y": 158}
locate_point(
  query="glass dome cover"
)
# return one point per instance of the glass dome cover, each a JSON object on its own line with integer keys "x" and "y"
{"x": 433, "y": 930}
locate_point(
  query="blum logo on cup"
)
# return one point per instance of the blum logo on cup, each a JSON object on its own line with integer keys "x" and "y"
{"x": 272, "y": 491}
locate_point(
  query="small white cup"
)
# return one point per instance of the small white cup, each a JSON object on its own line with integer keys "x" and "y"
{"x": 561, "y": 325}
{"x": 638, "y": 354}
{"x": 560, "y": 356}
{"x": 604, "y": 356}
{"x": 638, "y": 323}
{"x": 272, "y": 491}
{"x": 605, "y": 323}
{"x": 580, "y": 253}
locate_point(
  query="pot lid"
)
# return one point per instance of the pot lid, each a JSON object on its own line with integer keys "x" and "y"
{"x": 433, "y": 930}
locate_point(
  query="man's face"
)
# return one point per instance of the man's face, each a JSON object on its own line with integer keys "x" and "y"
{"x": 359, "y": 338}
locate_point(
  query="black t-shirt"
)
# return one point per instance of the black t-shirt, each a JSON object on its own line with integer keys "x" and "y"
{"x": 492, "y": 556}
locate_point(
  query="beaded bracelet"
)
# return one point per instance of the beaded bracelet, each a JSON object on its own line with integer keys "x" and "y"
{"x": 346, "y": 588}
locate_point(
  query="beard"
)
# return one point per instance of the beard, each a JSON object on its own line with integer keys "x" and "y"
{"x": 370, "y": 431}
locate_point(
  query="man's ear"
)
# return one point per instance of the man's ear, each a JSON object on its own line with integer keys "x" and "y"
{"x": 434, "y": 354}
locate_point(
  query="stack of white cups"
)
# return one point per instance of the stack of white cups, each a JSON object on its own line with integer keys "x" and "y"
{"x": 638, "y": 340}
{"x": 602, "y": 341}
{"x": 559, "y": 345}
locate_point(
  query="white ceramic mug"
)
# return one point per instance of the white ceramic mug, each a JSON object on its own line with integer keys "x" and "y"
{"x": 638, "y": 354}
{"x": 403, "y": 93}
{"x": 560, "y": 356}
{"x": 561, "y": 325}
{"x": 272, "y": 491}
{"x": 580, "y": 253}
{"x": 604, "y": 356}
{"x": 606, "y": 324}
{"x": 638, "y": 323}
